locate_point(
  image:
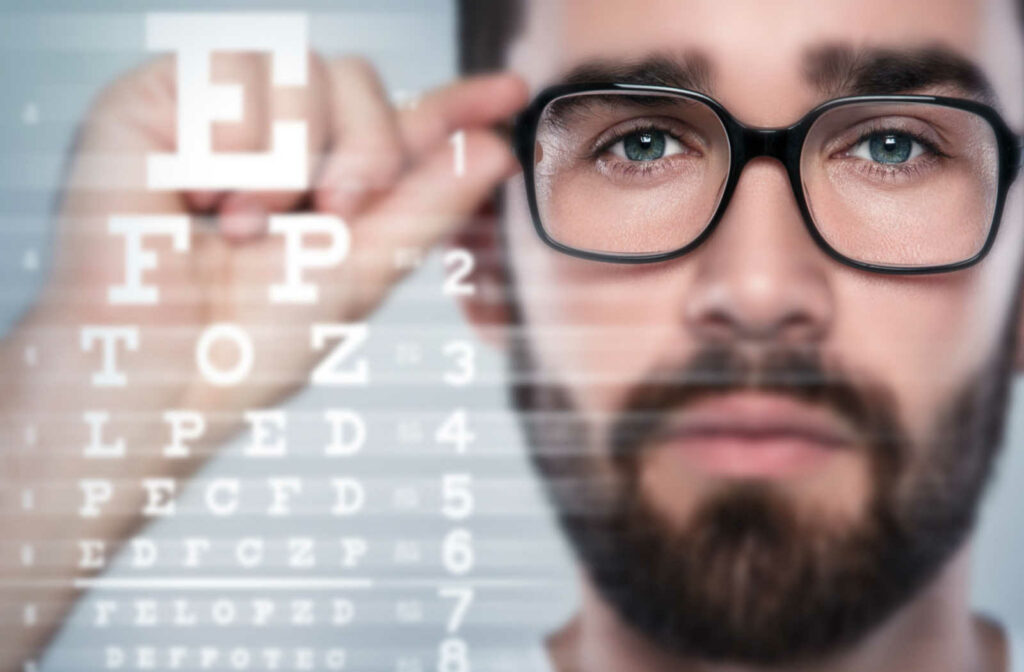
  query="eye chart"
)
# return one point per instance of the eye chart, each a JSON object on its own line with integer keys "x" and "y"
{"x": 198, "y": 511}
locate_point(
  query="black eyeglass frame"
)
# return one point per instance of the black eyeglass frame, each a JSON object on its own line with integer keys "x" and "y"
{"x": 784, "y": 144}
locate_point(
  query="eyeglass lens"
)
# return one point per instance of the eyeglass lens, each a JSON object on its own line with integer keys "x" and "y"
{"x": 891, "y": 183}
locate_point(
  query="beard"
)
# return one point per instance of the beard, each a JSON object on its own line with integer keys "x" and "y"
{"x": 751, "y": 577}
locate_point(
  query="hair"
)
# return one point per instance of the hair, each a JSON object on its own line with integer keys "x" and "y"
{"x": 487, "y": 28}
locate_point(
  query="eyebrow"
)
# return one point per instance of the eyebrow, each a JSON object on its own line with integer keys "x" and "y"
{"x": 691, "y": 71}
{"x": 839, "y": 70}
{"x": 833, "y": 70}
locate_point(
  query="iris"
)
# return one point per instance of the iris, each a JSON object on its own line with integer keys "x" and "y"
{"x": 644, "y": 145}
{"x": 890, "y": 148}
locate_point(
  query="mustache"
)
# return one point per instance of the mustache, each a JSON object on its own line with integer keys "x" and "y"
{"x": 800, "y": 374}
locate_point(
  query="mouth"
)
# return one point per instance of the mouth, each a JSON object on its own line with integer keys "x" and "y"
{"x": 757, "y": 435}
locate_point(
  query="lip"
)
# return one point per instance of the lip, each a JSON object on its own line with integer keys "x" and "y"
{"x": 757, "y": 435}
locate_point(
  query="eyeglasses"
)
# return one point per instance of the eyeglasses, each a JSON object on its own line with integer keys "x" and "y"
{"x": 634, "y": 173}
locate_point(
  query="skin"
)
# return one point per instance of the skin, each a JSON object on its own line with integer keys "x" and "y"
{"x": 745, "y": 277}
{"x": 376, "y": 167}
{"x": 761, "y": 278}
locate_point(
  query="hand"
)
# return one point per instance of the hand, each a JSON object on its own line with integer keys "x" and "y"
{"x": 388, "y": 174}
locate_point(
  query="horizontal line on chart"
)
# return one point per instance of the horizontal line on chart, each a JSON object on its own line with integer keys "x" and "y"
{"x": 285, "y": 583}
{"x": 217, "y": 583}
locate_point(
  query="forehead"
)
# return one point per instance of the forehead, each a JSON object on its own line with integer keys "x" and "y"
{"x": 757, "y": 52}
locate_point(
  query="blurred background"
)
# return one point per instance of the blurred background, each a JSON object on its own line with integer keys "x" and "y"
{"x": 56, "y": 55}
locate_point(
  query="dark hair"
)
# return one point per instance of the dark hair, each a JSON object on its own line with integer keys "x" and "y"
{"x": 487, "y": 27}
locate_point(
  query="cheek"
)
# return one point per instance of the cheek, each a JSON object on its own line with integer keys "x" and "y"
{"x": 902, "y": 337}
{"x": 926, "y": 337}
{"x": 599, "y": 327}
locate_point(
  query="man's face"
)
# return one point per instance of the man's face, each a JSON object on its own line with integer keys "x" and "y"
{"x": 791, "y": 503}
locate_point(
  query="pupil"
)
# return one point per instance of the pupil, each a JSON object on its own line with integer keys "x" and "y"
{"x": 890, "y": 148}
{"x": 645, "y": 146}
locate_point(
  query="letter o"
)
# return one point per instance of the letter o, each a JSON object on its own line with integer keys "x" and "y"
{"x": 241, "y": 369}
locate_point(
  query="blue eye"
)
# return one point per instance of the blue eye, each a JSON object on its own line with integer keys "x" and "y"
{"x": 888, "y": 148}
{"x": 646, "y": 145}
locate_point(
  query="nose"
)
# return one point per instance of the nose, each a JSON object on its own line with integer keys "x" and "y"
{"x": 760, "y": 276}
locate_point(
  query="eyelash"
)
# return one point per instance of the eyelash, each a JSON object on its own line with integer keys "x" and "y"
{"x": 892, "y": 171}
{"x": 631, "y": 168}
{"x": 876, "y": 170}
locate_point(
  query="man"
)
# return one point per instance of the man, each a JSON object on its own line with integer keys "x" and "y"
{"x": 763, "y": 374}
{"x": 710, "y": 534}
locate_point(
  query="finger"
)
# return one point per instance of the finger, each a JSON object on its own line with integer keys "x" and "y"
{"x": 248, "y": 72}
{"x": 244, "y": 213}
{"x": 131, "y": 118}
{"x": 425, "y": 207}
{"x": 366, "y": 154}
{"x": 479, "y": 101}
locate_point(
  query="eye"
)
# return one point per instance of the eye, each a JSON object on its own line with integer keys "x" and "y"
{"x": 888, "y": 147}
{"x": 646, "y": 145}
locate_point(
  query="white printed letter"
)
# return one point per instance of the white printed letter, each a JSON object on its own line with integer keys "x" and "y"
{"x": 137, "y": 259}
{"x": 219, "y": 376}
{"x": 194, "y": 38}
{"x": 109, "y": 376}
{"x": 328, "y": 373}
{"x": 298, "y": 257}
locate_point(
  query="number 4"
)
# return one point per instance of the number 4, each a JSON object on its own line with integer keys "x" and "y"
{"x": 455, "y": 430}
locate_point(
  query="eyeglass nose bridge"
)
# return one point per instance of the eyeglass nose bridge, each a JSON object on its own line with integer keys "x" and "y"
{"x": 776, "y": 143}
{"x": 782, "y": 144}
{"x": 785, "y": 145}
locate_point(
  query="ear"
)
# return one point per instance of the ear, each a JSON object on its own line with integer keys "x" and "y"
{"x": 484, "y": 283}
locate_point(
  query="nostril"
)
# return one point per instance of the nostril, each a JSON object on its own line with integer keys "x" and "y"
{"x": 716, "y": 325}
{"x": 800, "y": 327}
{"x": 792, "y": 316}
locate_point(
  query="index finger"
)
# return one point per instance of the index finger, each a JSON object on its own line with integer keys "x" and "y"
{"x": 478, "y": 101}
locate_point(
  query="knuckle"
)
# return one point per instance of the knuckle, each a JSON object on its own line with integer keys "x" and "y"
{"x": 383, "y": 170}
{"x": 150, "y": 83}
{"x": 141, "y": 101}
{"x": 365, "y": 171}
{"x": 357, "y": 67}
{"x": 356, "y": 75}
